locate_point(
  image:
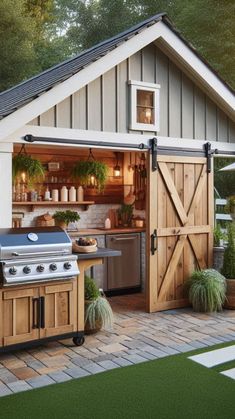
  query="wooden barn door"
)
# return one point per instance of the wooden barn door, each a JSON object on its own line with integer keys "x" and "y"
{"x": 180, "y": 227}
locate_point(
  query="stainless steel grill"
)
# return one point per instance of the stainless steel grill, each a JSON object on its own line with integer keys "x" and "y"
{"x": 29, "y": 255}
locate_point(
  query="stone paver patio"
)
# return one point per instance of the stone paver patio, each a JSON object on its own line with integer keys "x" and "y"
{"x": 137, "y": 337}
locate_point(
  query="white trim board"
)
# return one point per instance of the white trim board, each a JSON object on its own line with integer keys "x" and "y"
{"x": 59, "y": 92}
{"x": 113, "y": 137}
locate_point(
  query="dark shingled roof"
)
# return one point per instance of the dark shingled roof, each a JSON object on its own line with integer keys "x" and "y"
{"x": 25, "y": 92}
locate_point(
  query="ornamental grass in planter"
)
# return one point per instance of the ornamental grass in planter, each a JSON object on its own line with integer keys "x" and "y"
{"x": 207, "y": 290}
{"x": 228, "y": 269}
{"x": 98, "y": 312}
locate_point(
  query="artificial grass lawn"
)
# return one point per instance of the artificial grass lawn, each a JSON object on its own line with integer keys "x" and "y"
{"x": 169, "y": 388}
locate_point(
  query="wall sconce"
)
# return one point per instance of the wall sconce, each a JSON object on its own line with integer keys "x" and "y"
{"x": 117, "y": 168}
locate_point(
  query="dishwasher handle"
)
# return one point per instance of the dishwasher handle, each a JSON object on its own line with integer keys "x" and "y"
{"x": 116, "y": 239}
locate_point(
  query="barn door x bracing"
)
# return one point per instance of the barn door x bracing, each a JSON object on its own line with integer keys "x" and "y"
{"x": 180, "y": 227}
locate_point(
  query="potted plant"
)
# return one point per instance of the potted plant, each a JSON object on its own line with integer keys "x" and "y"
{"x": 125, "y": 214}
{"x": 63, "y": 218}
{"x": 228, "y": 269}
{"x": 219, "y": 236}
{"x": 207, "y": 290}
{"x": 98, "y": 312}
{"x": 32, "y": 168}
{"x": 92, "y": 173}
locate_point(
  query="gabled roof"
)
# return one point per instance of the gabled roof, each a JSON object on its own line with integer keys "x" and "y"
{"x": 17, "y": 96}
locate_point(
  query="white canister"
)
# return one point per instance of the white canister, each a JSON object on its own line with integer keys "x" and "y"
{"x": 80, "y": 194}
{"x": 64, "y": 194}
{"x": 55, "y": 195}
{"x": 72, "y": 194}
{"x": 107, "y": 223}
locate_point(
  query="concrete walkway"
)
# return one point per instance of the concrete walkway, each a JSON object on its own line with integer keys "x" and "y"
{"x": 137, "y": 337}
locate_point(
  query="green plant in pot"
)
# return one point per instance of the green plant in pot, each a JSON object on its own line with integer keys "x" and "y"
{"x": 91, "y": 173}
{"x": 207, "y": 290}
{"x": 125, "y": 214}
{"x": 32, "y": 168}
{"x": 219, "y": 236}
{"x": 228, "y": 269}
{"x": 63, "y": 218}
{"x": 98, "y": 312}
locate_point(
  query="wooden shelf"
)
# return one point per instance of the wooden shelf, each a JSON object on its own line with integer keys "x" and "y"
{"x": 51, "y": 203}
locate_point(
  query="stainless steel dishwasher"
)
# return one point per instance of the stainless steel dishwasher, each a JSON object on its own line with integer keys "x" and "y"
{"x": 123, "y": 272}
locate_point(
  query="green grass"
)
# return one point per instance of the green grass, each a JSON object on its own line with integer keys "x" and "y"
{"x": 169, "y": 388}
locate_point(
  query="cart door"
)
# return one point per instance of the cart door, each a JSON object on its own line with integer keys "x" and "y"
{"x": 180, "y": 227}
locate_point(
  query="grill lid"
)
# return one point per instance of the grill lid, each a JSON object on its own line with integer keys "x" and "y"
{"x": 29, "y": 242}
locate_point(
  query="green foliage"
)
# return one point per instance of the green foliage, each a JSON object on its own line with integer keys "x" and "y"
{"x": 93, "y": 21}
{"x": 83, "y": 170}
{"x": 17, "y": 55}
{"x": 66, "y": 216}
{"x": 125, "y": 214}
{"x": 230, "y": 206}
{"x": 207, "y": 289}
{"x": 91, "y": 289}
{"x": 218, "y": 235}
{"x": 33, "y": 168}
{"x": 224, "y": 181}
{"x": 228, "y": 269}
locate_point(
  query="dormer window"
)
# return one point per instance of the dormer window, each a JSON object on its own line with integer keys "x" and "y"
{"x": 144, "y": 106}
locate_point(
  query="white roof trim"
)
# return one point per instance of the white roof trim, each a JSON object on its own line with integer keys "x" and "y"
{"x": 61, "y": 91}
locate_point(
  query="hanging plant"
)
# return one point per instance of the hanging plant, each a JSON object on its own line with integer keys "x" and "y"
{"x": 85, "y": 170}
{"x": 33, "y": 168}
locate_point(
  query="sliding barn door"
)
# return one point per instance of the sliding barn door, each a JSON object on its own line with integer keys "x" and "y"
{"x": 180, "y": 227}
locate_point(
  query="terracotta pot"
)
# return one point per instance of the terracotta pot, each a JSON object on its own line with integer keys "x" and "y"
{"x": 230, "y": 294}
{"x": 62, "y": 224}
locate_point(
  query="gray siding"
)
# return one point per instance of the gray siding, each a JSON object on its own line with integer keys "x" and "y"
{"x": 185, "y": 110}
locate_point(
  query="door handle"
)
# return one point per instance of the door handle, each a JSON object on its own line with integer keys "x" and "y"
{"x": 36, "y": 313}
{"x": 42, "y": 312}
{"x": 153, "y": 247}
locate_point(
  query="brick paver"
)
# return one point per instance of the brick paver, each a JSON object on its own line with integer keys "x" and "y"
{"x": 136, "y": 337}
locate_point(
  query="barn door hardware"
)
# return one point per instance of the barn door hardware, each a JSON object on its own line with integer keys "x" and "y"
{"x": 153, "y": 147}
{"x": 153, "y": 242}
{"x": 209, "y": 154}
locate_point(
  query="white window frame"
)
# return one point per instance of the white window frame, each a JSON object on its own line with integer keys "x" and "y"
{"x": 151, "y": 87}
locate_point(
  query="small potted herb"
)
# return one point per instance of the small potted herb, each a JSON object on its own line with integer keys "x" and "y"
{"x": 98, "y": 312}
{"x": 125, "y": 214}
{"x": 91, "y": 173}
{"x": 219, "y": 236}
{"x": 63, "y": 218}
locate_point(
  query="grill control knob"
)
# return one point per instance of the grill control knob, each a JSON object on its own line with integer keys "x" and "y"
{"x": 13, "y": 271}
{"x": 40, "y": 268}
{"x": 53, "y": 266}
{"x": 67, "y": 266}
{"x": 27, "y": 270}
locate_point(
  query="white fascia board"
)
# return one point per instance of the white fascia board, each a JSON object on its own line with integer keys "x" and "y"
{"x": 111, "y": 137}
{"x": 197, "y": 65}
{"x": 61, "y": 91}
{"x": 6, "y": 147}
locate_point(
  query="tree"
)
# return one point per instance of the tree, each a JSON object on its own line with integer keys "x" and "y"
{"x": 17, "y": 56}
{"x": 207, "y": 24}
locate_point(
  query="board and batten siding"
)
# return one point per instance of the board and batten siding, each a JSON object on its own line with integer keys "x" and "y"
{"x": 185, "y": 110}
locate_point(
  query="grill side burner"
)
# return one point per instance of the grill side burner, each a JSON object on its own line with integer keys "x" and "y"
{"x": 34, "y": 255}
